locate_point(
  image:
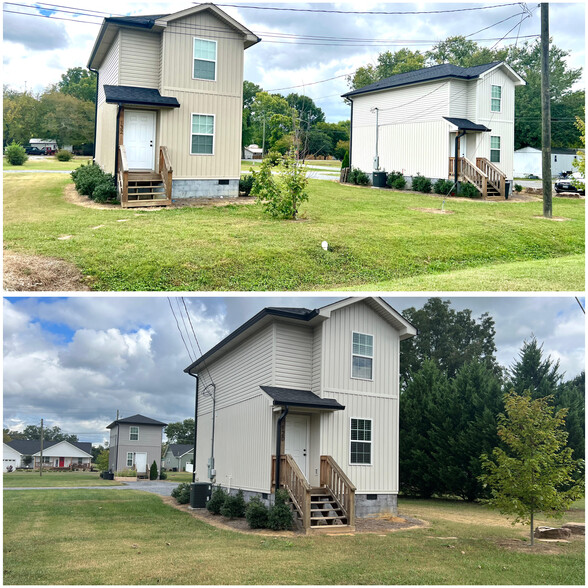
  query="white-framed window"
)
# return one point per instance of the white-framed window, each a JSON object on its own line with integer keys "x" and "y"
{"x": 133, "y": 433}
{"x": 130, "y": 460}
{"x": 362, "y": 356}
{"x": 80, "y": 460}
{"x": 204, "y": 60}
{"x": 47, "y": 459}
{"x": 496, "y": 99}
{"x": 360, "y": 442}
{"x": 202, "y": 138}
{"x": 495, "y": 149}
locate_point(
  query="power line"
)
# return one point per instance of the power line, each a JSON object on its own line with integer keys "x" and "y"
{"x": 178, "y": 326}
{"x": 185, "y": 326}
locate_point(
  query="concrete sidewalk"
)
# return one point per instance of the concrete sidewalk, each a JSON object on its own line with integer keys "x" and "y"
{"x": 156, "y": 487}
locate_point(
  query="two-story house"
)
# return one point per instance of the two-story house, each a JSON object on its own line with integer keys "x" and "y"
{"x": 135, "y": 443}
{"x": 308, "y": 400}
{"x": 418, "y": 123}
{"x": 169, "y": 104}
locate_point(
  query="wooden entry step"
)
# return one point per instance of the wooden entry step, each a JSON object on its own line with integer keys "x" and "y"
{"x": 144, "y": 176}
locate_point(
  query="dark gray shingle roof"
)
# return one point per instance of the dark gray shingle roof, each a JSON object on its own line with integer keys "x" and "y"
{"x": 30, "y": 447}
{"x": 134, "y": 95}
{"x": 427, "y": 74}
{"x": 466, "y": 125}
{"x": 145, "y": 21}
{"x": 178, "y": 449}
{"x": 306, "y": 398}
{"x": 137, "y": 419}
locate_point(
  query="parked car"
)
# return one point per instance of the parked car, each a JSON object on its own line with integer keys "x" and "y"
{"x": 34, "y": 151}
{"x": 566, "y": 185}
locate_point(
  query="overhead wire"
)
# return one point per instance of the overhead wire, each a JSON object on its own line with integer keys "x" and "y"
{"x": 180, "y": 330}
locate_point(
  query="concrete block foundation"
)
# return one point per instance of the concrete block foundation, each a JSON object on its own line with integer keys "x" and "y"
{"x": 205, "y": 188}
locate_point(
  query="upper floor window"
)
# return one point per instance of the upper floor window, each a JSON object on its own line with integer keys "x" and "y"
{"x": 495, "y": 149}
{"x": 134, "y": 433}
{"x": 204, "y": 59}
{"x": 496, "y": 100}
{"x": 202, "y": 134}
{"x": 362, "y": 356}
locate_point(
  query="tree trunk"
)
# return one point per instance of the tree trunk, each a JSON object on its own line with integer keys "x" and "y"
{"x": 532, "y": 531}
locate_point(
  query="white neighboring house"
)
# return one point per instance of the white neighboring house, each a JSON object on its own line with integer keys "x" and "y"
{"x": 57, "y": 454}
{"x": 10, "y": 457}
{"x": 253, "y": 152}
{"x": 44, "y": 144}
{"x": 323, "y": 382}
{"x": 425, "y": 115}
{"x": 528, "y": 160}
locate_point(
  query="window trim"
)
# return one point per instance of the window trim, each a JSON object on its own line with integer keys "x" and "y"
{"x": 132, "y": 460}
{"x": 499, "y": 99}
{"x": 203, "y": 134}
{"x": 131, "y": 432}
{"x": 360, "y": 355}
{"x": 499, "y": 148}
{"x": 215, "y": 60}
{"x": 371, "y": 441}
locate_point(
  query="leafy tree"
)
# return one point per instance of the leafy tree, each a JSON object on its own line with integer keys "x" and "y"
{"x": 308, "y": 112}
{"x": 534, "y": 473}
{"x": 580, "y": 163}
{"x": 96, "y": 450}
{"x": 22, "y": 116}
{"x": 341, "y": 149}
{"x": 450, "y": 338}
{"x": 318, "y": 143}
{"x": 345, "y": 162}
{"x": 249, "y": 91}
{"x": 9, "y": 435}
{"x": 277, "y": 114}
{"x": 181, "y": 432}
{"x": 33, "y": 432}
{"x": 79, "y": 83}
{"x": 462, "y": 52}
{"x": 102, "y": 460}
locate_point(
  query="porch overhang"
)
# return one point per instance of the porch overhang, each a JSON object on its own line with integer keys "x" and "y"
{"x": 148, "y": 97}
{"x": 463, "y": 124}
{"x": 300, "y": 398}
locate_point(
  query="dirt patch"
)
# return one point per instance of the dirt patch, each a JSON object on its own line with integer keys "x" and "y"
{"x": 434, "y": 210}
{"x": 71, "y": 195}
{"x": 540, "y": 547}
{"x": 33, "y": 273}
{"x": 388, "y": 524}
{"x": 557, "y": 219}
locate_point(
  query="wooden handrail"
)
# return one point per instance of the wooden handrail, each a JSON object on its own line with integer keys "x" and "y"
{"x": 336, "y": 481}
{"x": 165, "y": 171}
{"x": 468, "y": 171}
{"x": 496, "y": 177}
{"x": 123, "y": 176}
{"x": 293, "y": 480}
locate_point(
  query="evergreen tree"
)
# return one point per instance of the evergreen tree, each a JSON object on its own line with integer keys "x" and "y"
{"x": 571, "y": 395}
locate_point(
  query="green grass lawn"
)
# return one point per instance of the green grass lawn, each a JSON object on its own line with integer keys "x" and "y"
{"x": 376, "y": 239}
{"x": 32, "y": 479}
{"x": 329, "y": 165}
{"x": 129, "y": 537}
{"x": 177, "y": 477}
{"x": 48, "y": 163}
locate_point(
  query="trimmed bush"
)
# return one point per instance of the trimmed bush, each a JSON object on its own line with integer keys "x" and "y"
{"x": 518, "y": 188}
{"x": 182, "y": 493}
{"x": 246, "y": 183}
{"x": 216, "y": 501}
{"x": 443, "y": 187}
{"x": 274, "y": 157}
{"x": 468, "y": 190}
{"x": 396, "y": 180}
{"x": 421, "y": 184}
{"x": 86, "y": 178}
{"x": 279, "y": 517}
{"x": 162, "y": 475}
{"x": 256, "y": 513}
{"x": 15, "y": 154}
{"x": 345, "y": 160}
{"x": 153, "y": 471}
{"x": 64, "y": 155}
{"x": 234, "y": 506}
{"x": 105, "y": 190}
{"x": 359, "y": 178}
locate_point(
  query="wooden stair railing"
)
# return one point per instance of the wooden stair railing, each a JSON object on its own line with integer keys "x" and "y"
{"x": 165, "y": 171}
{"x": 496, "y": 178}
{"x": 123, "y": 176}
{"x": 293, "y": 480}
{"x": 468, "y": 171}
{"x": 333, "y": 478}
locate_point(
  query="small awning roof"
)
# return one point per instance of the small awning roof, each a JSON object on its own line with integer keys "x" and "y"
{"x": 139, "y": 96}
{"x": 466, "y": 125}
{"x": 303, "y": 398}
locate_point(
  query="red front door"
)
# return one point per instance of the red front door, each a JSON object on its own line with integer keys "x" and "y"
{"x": 61, "y": 462}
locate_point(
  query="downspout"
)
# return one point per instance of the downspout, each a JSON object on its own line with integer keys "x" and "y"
{"x": 195, "y": 427}
{"x": 457, "y": 137}
{"x": 95, "y": 110}
{"x": 117, "y": 141}
{"x": 350, "y": 131}
{"x": 279, "y": 446}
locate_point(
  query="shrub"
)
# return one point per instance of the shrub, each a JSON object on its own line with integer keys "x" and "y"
{"x": 162, "y": 475}
{"x": 86, "y": 178}
{"x": 245, "y": 184}
{"x": 421, "y": 184}
{"x": 256, "y": 513}
{"x": 64, "y": 155}
{"x": 443, "y": 186}
{"x": 274, "y": 158}
{"x": 234, "y": 506}
{"x": 182, "y": 493}
{"x": 126, "y": 474}
{"x": 518, "y": 188}
{"x": 357, "y": 177}
{"x": 105, "y": 190}
{"x": 279, "y": 517}
{"x": 15, "y": 154}
{"x": 396, "y": 180}
{"x": 468, "y": 190}
{"x": 216, "y": 501}
{"x": 153, "y": 471}
{"x": 345, "y": 160}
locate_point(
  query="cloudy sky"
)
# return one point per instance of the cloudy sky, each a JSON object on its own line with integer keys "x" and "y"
{"x": 75, "y": 361}
{"x": 39, "y": 47}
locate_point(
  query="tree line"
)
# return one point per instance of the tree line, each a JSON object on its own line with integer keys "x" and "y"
{"x": 64, "y": 112}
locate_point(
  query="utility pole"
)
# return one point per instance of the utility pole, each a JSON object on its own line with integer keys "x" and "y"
{"x": 41, "y": 464}
{"x": 545, "y": 111}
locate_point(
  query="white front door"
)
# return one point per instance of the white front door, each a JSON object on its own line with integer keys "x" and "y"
{"x": 141, "y": 462}
{"x": 297, "y": 440}
{"x": 139, "y": 138}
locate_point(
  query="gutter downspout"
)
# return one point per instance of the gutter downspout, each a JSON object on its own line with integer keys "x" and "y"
{"x": 117, "y": 141}
{"x": 195, "y": 427}
{"x": 457, "y": 137}
{"x": 350, "y": 132}
{"x": 95, "y": 109}
{"x": 279, "y": 446}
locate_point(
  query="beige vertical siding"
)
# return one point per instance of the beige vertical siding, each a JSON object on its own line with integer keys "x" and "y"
{"x": 317, "y": 354}
{"x": 139, "y": 58}
{"x": 459, "y": 91}
{"x": 106, "y": 136}
{"x": 293, "y": 356}
{"x": 109, "y": 70}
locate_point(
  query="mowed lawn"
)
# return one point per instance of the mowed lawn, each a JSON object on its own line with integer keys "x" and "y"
{"x": 48, "y": 163}
{"x": 32, "y": 479}
{"x": 130, "y": 537}
{"x": 377, "y": 240}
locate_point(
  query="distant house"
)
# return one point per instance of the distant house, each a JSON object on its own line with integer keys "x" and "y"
{"x": 49, "y": 145}
{"x": 135, "y": 443}
{"x": 425, "y": 116}
{"x": 177, "y": 456}
{"x": 529, "y": 160}
{"x": 56, "y": 454}
{"x": 170, "y": 103}
{"x": 314, "y": 393}
{"x": 253, "y": 152}
{"x": 11, "y": 458}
